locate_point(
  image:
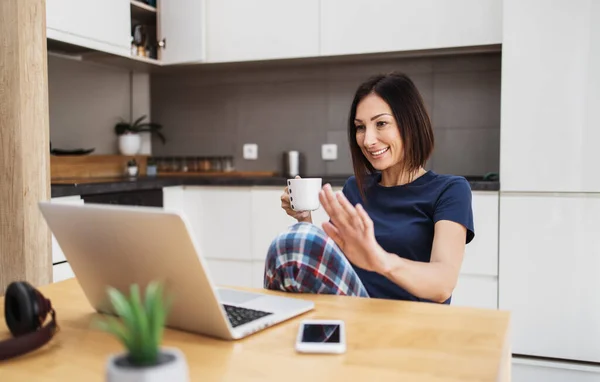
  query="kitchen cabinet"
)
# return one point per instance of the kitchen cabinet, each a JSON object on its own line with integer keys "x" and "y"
{"x": 242, "y": 30}
{"x": 548, "y": 269}
{"x": 477, "y": 284}
{"x": 234, "y": 227}
{"x": 532, "y": 370}
{"x": 182, "y": 29}
{"x": 148, "y": 198}
{"x": 62, "y": 272}
{"x": 481, "y": 254}
{"x": 550, "y": 96}
{"x": 61, "y": 269}
{"x": 99, "y": 25}
{"x": 359, "y": 26}
{"x": 476, "y": 291}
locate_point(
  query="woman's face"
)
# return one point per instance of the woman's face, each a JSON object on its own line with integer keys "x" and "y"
{"x": 377, "y": 133}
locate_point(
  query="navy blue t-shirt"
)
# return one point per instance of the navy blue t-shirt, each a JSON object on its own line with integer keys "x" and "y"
{"x": 404, "y": 217}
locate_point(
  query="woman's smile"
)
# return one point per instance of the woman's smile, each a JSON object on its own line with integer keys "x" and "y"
{"x": 377, "y": 154}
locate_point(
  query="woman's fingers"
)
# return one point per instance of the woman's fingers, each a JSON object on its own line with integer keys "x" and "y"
{"x": 365, "y": 218}
{"x": 334, "y": 234}
{"x": 333, "y": 208}
{"x": 353, "y": 217}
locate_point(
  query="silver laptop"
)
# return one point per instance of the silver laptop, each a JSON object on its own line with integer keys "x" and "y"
{"x": 117, "y": 246}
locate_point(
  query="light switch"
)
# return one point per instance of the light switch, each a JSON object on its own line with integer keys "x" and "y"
{"x": 329, "y": 151}
{"x": 251, "y": 151}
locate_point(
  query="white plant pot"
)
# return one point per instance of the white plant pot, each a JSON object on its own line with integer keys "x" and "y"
{"x": 172, "y": 367}
{"x": 130, "y": 144}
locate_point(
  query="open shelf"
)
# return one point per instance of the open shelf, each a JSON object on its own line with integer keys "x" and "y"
{"x": 143, "y": 13}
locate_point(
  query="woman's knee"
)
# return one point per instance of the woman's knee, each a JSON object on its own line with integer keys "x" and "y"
{"x": 300, "y": 238}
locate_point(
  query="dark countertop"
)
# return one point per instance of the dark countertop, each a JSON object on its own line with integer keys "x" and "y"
{"x": 67, "y": 187}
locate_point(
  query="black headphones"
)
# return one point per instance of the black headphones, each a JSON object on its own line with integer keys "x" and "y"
{"x": 25, "y": 310}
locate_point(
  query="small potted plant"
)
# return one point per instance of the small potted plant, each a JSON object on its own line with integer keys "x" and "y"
{"x": 130, "y": 140}
{"x": 132, "y": 167}
{"x": 140, "y": 330}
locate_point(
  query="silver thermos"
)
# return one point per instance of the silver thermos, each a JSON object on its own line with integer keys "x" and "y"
{"x": 292, "y": 163}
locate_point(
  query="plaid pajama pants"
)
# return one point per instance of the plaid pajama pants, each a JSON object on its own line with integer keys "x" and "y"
{"x": 303, "y": 259}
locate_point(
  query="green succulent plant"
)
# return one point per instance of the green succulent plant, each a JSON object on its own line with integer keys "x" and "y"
{"x": 122, "y": 127}
{"x": 141, "y": 324}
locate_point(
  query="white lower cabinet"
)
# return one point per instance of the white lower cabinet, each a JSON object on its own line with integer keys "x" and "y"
{"x": 532, "y": 370}
{"x": 267, "y": 219}
{"x": 476, "y": 291}
{"x": 61, "y": 272}
{"x": 234, "y": 227}
{"x": 230, "y": 273}
{"x": 481, "y": 254}
{"x": 549, "y": 268}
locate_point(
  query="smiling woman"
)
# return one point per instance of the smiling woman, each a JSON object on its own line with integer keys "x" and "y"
{"x": 396, "y": 230}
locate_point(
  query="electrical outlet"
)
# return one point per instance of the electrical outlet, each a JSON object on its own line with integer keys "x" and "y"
{"x": 250, "y": 151}
{"x": 329, "y": 151}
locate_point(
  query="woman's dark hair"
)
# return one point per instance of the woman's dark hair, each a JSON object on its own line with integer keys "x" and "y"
{"x": 411, "y": 116}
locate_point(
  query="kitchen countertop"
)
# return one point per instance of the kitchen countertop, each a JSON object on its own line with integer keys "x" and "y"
{"x": 91, "y": 186}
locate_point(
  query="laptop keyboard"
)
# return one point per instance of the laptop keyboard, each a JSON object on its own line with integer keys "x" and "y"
{"x": 239, "y": 316}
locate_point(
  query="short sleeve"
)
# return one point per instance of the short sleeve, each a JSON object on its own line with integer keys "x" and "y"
{"x": 455, "y": 204}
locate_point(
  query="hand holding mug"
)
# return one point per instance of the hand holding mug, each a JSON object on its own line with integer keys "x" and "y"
{"x": 301, "y": 196}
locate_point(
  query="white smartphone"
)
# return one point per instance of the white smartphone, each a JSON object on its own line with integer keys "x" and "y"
{"x": 321, "y": 336}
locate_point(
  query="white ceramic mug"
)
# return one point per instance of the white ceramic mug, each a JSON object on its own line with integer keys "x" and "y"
{"x": 304, "y": 193}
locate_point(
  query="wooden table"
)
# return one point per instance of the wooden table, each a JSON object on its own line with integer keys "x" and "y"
{"x": 387, "y": 340}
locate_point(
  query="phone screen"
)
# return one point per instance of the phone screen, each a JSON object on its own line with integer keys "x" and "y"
{"x": 319, "y": 333}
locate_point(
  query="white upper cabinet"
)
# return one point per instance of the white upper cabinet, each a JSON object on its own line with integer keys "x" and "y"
{"x": 372, "y": 26}
{"x": 247, "y": 30}
{"x": 549, "y": 266}
{"x": 182, "y": 27}
{"x": 101, "y": 25}
{"x": 550, "y": 129}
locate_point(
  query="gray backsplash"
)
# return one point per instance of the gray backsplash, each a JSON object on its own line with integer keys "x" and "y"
{"x": 214, "y": 110}
{"x": 86, "y": 100}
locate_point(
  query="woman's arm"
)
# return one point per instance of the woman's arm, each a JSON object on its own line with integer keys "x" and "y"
{"x": 434, "y": 280}
{"x": 353, "y": 232}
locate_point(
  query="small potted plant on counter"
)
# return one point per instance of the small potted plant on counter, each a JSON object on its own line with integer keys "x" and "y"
{"x": 130, "y": 140}
{"x": 140, "y": 329}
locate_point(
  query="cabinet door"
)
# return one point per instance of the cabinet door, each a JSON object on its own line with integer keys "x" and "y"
{"x": 100, "y": 25}
{"x": 548, "y": 274}
{"x": 481, "y": 254}
{"x": 62, "y": 272}
{"x": 268, "y": 219}
{"x": 242, "y": 30}
{"x": 219, "y": 219}
{"x": 476, "y": 291}
{"x": 529, "y": 370}
{"x": 358, "y": 26}
{"x": 550, "y": 100}
{"x": 182, "y": 26}
{"x": 57, "y": 254}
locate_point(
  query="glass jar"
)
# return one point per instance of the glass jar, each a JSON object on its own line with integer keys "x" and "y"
{"x": 162, "y": 164}
{"x": 192, "y": 164}
{"x": 215, "y": 164}
{"x": 227, "y": 164}
{"x": 204, "y": 164}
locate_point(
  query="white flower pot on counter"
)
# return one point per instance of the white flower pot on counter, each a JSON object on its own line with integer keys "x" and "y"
{"x": 172, "y": 366}
{"x": 130, "y": 144}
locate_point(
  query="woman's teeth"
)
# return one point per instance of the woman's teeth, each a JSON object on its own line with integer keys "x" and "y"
{"x": 379, "y": 152}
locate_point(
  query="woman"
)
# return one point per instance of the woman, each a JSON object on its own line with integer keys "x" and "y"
{"x": 396, "y": 231}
